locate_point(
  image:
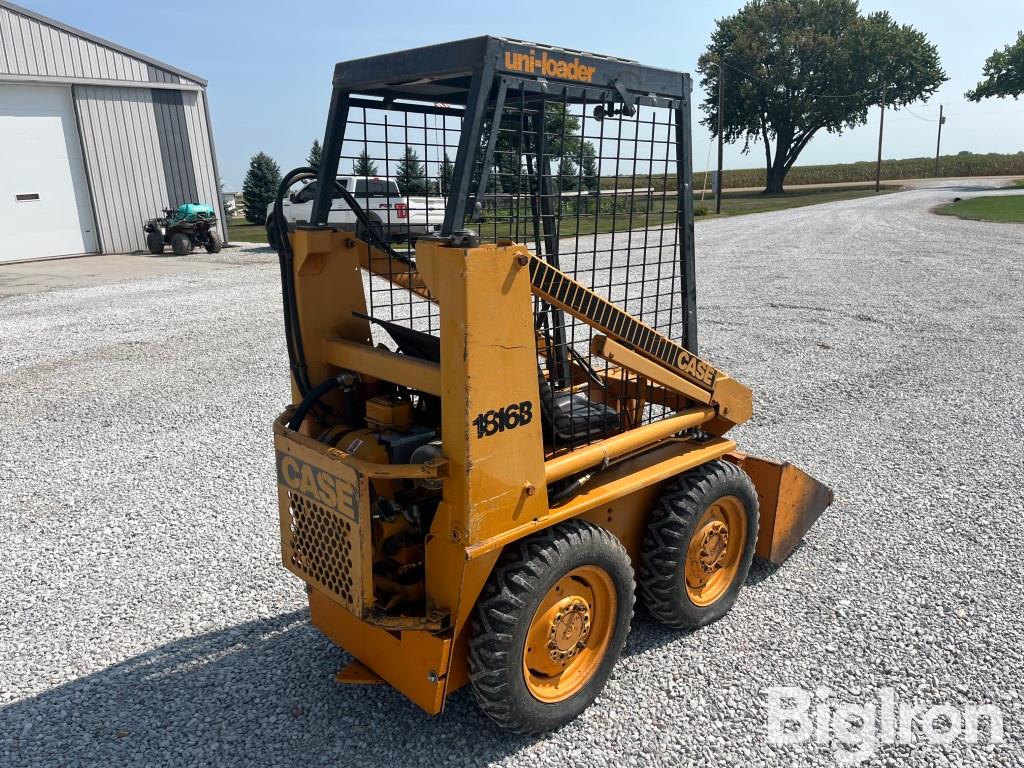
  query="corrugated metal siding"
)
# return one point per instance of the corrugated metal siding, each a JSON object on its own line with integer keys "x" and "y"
{"x": 31, "y": 47}
{"x": 207, "y": 183}
{"x": 122, "y": 158}
{"x": 132, "y": 178}
{"x": 175, "y": 146}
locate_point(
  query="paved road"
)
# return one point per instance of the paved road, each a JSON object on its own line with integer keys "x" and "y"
{"x": 147, "y": 620}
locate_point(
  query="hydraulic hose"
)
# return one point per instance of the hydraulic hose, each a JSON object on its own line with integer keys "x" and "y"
{"x": 293, "y": 331}
{"x": 292, "y": 327}
{"x": 312, "y": 397}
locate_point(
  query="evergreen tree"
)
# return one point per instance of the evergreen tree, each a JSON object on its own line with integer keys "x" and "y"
{"x": 363, "y": 165}
{"x": 567, "y": 179}
{"x": 410, "y": 174}
{"x": 588, "y": 163}
{"x": 260, "y": 187}
{"x": 313, "y": 159}
{"x": 447, "y": 169}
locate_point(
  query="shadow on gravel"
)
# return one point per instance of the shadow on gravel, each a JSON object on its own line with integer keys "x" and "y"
{"x": 648, "y": 634}
{"x": 762, "y": 570}
{"x": 261, "y": 693}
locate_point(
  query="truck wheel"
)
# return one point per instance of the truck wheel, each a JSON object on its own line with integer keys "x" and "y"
{"x": 155, "y": 243}
{"x": 376, "y": 228}
{"x": 550, "y": 625}
{"x": 699, "y": 544}
{"x": 213, "y": 242}
{"x": 272, "y": 237}
{"x": 181, "y": 244}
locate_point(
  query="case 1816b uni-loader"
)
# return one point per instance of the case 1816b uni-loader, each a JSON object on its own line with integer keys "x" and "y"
{"x": 503, "y": 433}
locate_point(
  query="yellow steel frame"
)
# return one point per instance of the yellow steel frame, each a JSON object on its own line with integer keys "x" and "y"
{"x": 494, "y": 491}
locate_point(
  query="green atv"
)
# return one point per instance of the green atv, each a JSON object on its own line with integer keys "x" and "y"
{"x": 183, "y": 228}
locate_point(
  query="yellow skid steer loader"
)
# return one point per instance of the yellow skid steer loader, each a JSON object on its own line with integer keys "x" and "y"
{"x": 501, "y": 430}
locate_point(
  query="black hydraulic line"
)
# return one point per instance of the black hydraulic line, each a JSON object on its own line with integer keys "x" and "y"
{"x": 312, "y": 397}
{"x": 293, "y": 331}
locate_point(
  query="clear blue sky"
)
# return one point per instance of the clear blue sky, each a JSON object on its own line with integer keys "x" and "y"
{"x": 269, "y": 64}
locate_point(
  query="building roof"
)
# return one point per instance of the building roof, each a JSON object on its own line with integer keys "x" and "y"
{"x": 100, "y": 41}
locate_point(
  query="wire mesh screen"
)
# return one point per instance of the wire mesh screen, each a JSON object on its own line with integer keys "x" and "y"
{"x": 398, "y": 164}
{"x": 597, "y": 197}
{"x": 595, "y": 194}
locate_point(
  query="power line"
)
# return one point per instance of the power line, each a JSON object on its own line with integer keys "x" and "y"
{"x": 926, "y": 119}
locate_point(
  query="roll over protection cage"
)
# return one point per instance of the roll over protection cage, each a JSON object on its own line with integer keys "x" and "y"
{"x": 471, "y": 79}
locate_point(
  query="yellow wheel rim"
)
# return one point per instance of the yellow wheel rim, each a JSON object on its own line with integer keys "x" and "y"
{"x": 569, "y": 634}
{"x": 715, "y": 550}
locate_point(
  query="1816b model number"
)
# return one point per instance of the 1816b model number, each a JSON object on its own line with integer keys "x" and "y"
{"x": 509, "y": 417}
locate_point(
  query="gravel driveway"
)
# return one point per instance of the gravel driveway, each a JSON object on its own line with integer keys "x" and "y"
{"x": 147, "y": 618}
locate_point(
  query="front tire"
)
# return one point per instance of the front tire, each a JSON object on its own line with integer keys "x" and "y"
{"x": 549, "y": 626}
{"x": 699, "y": 545}
{"x": 181, "y": 244}
{"x": 155, "y": 243}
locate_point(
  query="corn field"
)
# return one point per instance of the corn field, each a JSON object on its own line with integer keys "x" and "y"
{"x": 964, "y": 164}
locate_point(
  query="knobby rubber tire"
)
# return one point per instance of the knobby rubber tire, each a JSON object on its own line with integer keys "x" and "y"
{"x": 524, "y": 574}
{"x": 213, "y": 242}
{"x": 181, "y": 244}
{"x": 662, "y": 577}
{"x": 155, "y": 243}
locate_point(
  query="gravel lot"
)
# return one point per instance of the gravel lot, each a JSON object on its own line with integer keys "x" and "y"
{"x": 147, "y": 619}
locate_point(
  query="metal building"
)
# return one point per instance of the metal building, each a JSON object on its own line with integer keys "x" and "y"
{"x": 94, "y": 139}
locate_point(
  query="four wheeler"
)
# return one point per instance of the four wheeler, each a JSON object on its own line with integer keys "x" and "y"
{"x": 183, "y": 228}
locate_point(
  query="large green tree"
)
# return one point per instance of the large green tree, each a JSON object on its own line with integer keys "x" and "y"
{"x": 260, "y": 187}
{"x": 797, "y": 67}
{"x": 561, "y": 140}
{"x": 1004, "y": 73}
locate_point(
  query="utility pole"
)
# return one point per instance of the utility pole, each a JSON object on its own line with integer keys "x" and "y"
{"x": 938, "y": 141}
{"x": 721, "y": 129}
{"x": 881, "y": 126}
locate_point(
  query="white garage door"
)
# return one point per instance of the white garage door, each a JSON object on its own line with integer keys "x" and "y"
{"x": 44, "y": 198}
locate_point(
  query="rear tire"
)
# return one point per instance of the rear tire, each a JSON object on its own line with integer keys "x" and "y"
{"x": 155, "y": 243}
{"x": 549, "y": 626}
{"x": 213, "y": 242}
{"x": 699, "y": 544}
{"x": 376, "y": 228}
{"x": 181, "y": 244}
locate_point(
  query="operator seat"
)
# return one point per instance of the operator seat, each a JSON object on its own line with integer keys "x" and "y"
{"x": 572, "y": 418}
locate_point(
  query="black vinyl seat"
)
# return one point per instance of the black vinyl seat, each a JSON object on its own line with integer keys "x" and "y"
{"x": 573, "y": 418}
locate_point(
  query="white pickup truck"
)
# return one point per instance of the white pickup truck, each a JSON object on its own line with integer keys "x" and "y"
{"x": 395, "y": 216}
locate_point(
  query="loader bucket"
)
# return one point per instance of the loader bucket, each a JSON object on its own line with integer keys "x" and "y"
{"x": 790, "y": 501}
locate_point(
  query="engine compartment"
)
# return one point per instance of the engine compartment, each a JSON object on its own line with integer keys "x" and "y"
{"x": 401, "y": 426}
